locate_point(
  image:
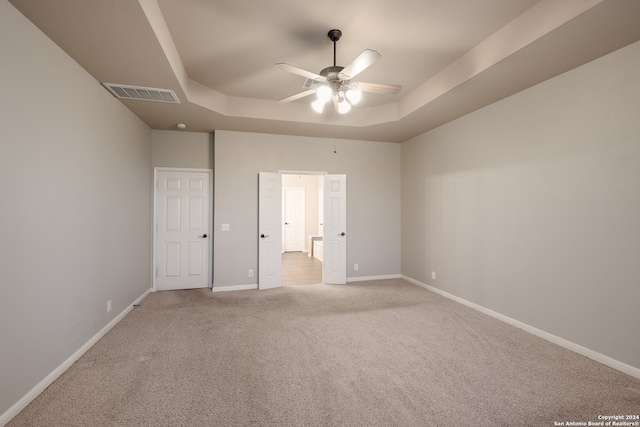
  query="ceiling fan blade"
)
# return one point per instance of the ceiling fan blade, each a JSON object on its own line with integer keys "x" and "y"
{"x": 376, "y": 87}
{"x": 298, "y": 95}
{"x": 361, "y": 63}
{"x": 299, "y": 71}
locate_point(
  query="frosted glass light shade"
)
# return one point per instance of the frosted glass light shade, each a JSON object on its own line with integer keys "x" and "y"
{"x": 354, "y": 96}
{"x": 318, "y": 105}
{"x": 324, "y": 93}
{"x": 344, "y": 107}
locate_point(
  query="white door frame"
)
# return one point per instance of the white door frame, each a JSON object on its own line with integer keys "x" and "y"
{"x": 154, "y": 232}
{"x": 297, "y": 172}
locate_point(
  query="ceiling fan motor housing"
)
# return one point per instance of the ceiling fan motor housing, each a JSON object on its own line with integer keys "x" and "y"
{"x": 332, "y": 73}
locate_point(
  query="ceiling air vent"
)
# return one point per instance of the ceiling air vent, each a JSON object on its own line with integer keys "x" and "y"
{"x": 142, "y": 93}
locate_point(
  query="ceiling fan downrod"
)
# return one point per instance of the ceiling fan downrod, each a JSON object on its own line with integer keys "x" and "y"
{"x": 334, "y": 36}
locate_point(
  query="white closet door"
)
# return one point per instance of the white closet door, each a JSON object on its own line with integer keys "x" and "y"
{"x": 335, "y": 229}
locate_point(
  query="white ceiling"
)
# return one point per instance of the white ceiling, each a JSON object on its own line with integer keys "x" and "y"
{"x": 450, "y": 56}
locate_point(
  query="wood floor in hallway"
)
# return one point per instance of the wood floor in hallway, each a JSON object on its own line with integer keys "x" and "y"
{"x": 298, "y": 268}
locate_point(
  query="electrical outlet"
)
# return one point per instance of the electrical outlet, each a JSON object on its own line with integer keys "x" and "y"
{"x": 108, "y": 306}
{"x": 355, "y": 267}
{"x": 433, "y": 275}
{"x": 250, "y": 273}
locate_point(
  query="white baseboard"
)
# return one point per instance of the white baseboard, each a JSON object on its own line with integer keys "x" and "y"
{"x": 255, "y": 286}
{"x": 46, "y": 382}
{"x": 349, "y": 279}
{"x": 234, "y": 288}
{"x": 365, "y": 278}
{"x": 591, "y": 354}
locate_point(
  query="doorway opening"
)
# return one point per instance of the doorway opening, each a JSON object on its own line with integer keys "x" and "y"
{"x": 270, "y": 229}
{"x": 302, "y": 219}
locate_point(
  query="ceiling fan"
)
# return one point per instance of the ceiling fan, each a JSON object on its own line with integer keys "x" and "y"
{"x": 335, "y": 83}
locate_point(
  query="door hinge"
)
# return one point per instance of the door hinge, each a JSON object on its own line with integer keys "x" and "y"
{"x": 156, "y": 272}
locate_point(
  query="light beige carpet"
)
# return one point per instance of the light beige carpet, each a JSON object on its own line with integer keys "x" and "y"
{"x": 380, "y": 353}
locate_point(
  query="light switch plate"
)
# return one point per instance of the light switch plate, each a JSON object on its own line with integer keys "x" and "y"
{"x": 225, "y": 227}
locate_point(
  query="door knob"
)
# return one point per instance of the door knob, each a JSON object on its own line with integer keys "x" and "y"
{"x": 342, "y": 234}
{"x": 262, "y": 236}
{"x": 204, "y": 236}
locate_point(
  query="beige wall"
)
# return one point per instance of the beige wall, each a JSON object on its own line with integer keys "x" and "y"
{"x": 75, "y": 181}
{"x": 531, "y": 206}
{"x": 181, "y": 149}
{"x": 373, "y": 198}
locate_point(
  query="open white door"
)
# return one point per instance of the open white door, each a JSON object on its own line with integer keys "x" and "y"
{"x": 270, "y": 230}
{"x": 335, "y": 229}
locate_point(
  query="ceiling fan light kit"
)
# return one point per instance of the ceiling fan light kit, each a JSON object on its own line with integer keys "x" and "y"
{"x": 335, "y": 83}
{"x": 324, "y": 93}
